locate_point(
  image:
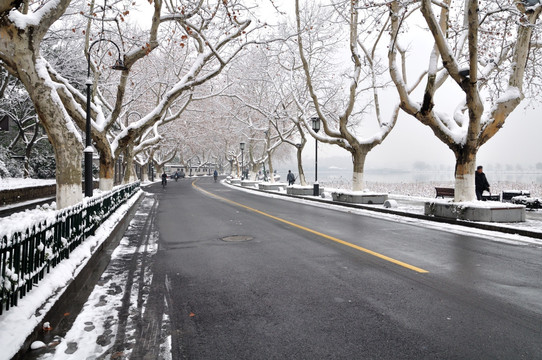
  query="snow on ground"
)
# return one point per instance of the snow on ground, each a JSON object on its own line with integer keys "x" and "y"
{"x": 427, "y": 189}
{"x": 415, "y": 205}
{"x": 107, "y": 324}
{"x": 17, "y": 183}
{"x": 19, "y": 322}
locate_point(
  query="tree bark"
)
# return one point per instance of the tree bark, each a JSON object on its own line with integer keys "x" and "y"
{"x": 129, "y": 171}
{"x": 107, "y": 172}
{"x": 358, "y": 158}
{"x": 62, "y": 134}
{"x": 271, "y": 175}
{"x": 302, "y": 180}
{"x": 145, "y": 173}
{"x": 465, "y": 167}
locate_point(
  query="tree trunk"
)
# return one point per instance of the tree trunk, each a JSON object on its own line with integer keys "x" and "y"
{"x": 302, "y": 180}
{"x": 358, "y": 158}
{"x": 465, "y": 167}
{"x": 271, "y": 176}
{"x": 61, "y": 131}
{"x": 253, "y": 172}
{"x": 145, "y": 173}
{"x": 26, "y": 161}
{"x": 158, "y": 172}
{"x": 28, "y": 150}
{"x": 68, "y": 175}
{"x": 107, "y": 172}
{"x": 129, "y": 171}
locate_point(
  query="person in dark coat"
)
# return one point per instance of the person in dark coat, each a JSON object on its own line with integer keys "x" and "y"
{"x": 290, "y": 178}
{"x": 480, "y": 182}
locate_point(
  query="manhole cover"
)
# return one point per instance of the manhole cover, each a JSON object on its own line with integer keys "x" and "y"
{"x": 237, "y": 238}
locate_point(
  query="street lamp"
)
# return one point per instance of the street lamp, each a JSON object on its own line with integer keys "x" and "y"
{"x": 119, "y": 65}
{"x": 242, "y": 146}
{"x": 316, "y": 128}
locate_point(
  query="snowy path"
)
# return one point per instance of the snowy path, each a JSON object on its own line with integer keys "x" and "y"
{"x": 116, "y": 321}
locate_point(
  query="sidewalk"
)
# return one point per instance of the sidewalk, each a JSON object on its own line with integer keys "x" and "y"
{"x": 410, "y": 207}
{"x": 52, "y": 299}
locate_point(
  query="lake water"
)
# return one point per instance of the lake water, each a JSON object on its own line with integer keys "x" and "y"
{"x": 410, "y": 177}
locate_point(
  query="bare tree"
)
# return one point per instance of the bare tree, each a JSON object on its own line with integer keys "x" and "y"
{"x": 341, "y": 106}
{"x": 23, "y": 29}
{"x": 480, "y": 46}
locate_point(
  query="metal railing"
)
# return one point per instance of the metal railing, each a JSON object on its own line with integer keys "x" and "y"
{"x": 26, "y": 256}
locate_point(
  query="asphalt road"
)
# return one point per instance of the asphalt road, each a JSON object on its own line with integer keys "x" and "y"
{"x": 304, "y": 282}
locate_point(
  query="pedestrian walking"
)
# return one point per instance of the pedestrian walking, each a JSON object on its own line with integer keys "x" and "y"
{"x": 290, "y": 177}
{"x": 481, "y": 183}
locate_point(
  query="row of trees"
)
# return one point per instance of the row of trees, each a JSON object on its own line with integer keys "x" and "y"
{"x": 206, "y": 75}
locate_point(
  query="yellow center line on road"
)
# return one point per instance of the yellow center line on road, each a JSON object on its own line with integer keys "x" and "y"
{"x": 353, "y": 246}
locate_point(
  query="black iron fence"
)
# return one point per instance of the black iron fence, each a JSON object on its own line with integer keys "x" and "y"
{"x": 26, "y": 256}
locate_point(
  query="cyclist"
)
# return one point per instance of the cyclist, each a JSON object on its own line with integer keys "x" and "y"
{"x": 164, "y": 179}
{"x": 215, "y": 175}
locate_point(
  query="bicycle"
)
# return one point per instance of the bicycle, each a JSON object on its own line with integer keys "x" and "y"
{"x": 164, "y": 183}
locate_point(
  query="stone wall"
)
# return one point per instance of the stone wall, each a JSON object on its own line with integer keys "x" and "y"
{"x": 12, "y": 196}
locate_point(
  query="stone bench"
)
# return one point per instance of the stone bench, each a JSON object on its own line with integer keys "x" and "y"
{"x": 302, "y": 191}
{"x": 472, "y": 212}
{"x": 360, "y": 198}
{"x": 272, "y": 186}
{"x": 249, "y": 183}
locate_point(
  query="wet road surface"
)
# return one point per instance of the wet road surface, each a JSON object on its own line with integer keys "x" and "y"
{"x": 250, "y": 277}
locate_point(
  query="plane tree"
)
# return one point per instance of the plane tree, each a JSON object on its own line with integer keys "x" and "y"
{"x": 484, "y": 51}
{"x": 345, "y": 97}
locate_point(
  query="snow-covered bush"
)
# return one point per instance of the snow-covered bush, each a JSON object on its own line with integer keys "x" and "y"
{"x": 4, "y": 172}
{"x": 43, "y": 166}
{"x": 8, "y": 166}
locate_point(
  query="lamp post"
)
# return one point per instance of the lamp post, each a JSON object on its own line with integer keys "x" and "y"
{"x": 242, "y": 146}
{"x": 119, "y": 65}
{"x": 316, "y": 128}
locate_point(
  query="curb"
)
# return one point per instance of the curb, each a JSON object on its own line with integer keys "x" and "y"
{"x": 482, "y": 226}
{"x": 70, "y": 303}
